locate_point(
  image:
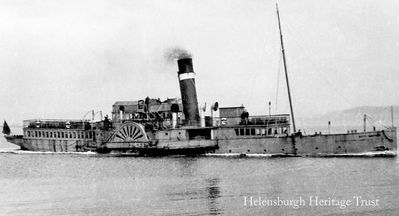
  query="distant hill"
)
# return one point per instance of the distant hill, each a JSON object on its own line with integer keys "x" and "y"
{"x": 341, "y": 121}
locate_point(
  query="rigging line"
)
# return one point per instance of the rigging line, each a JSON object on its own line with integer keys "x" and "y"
{"x": 380, "y": 123}
{"x": 373, "y": 121}
{"x": 369, "y": 121}
{"x": 278, "y": 79}
{"x": 313, "y": 64}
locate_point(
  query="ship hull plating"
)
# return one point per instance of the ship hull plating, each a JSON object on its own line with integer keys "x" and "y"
{"x": 316, "y": 145}
{"x": 50, "y": 145}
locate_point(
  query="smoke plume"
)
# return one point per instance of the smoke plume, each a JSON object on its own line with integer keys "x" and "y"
{"x": 174, "y": 53}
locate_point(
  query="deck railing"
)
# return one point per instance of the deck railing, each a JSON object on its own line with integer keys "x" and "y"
{"x": 253, "y": 120}
{"x": 57, "y": 123}
{"x": 265, "y": 120}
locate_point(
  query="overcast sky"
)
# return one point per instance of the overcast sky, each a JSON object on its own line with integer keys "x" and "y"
{"x": 59, "y": 59}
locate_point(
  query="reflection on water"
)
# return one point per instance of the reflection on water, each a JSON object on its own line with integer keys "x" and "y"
{"x": 213, "y": 196}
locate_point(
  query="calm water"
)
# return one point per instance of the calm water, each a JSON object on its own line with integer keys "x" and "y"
{"x": 87, "y": 184}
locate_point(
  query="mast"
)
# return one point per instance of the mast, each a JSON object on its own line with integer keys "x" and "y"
{"x": 285, "y": 70}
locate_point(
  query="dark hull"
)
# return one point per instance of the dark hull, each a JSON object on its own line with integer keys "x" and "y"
{"x": 375, "y": 143}
{"x": 188, "y": 151}
{"x": 46, "y": 145}
{"x": 17, "y": 140}
{"x": 159, "y": 151}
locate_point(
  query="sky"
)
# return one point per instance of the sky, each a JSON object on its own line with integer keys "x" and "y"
{"x": 60, "y": 59}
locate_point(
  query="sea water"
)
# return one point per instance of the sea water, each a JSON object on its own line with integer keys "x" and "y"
{"x": 43, "y": 184}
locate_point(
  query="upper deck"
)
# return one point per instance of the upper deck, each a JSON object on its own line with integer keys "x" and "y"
{"x": 57, "y": 124}
{"x": 265, "y": 120}
{"x": 260, "y": 121}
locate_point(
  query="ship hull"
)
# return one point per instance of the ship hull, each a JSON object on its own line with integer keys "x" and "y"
{"x": 17, "y": 140}
{"x": 317, "y": 145}
{"x": 43, "y": 145}
{"x": 162, "y": 147}
{"x": 349, "y": 144}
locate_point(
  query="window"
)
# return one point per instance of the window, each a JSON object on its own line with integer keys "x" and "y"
{"x": 74, "y": 135}
{"x": 62, "y": 134}
{"x": 242, "y": 133}
{"x": 237, "y": 131}
{"x": 284, "y": 129}
{"x": 252, "y": 131}
{"x": 247, "y": 131}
